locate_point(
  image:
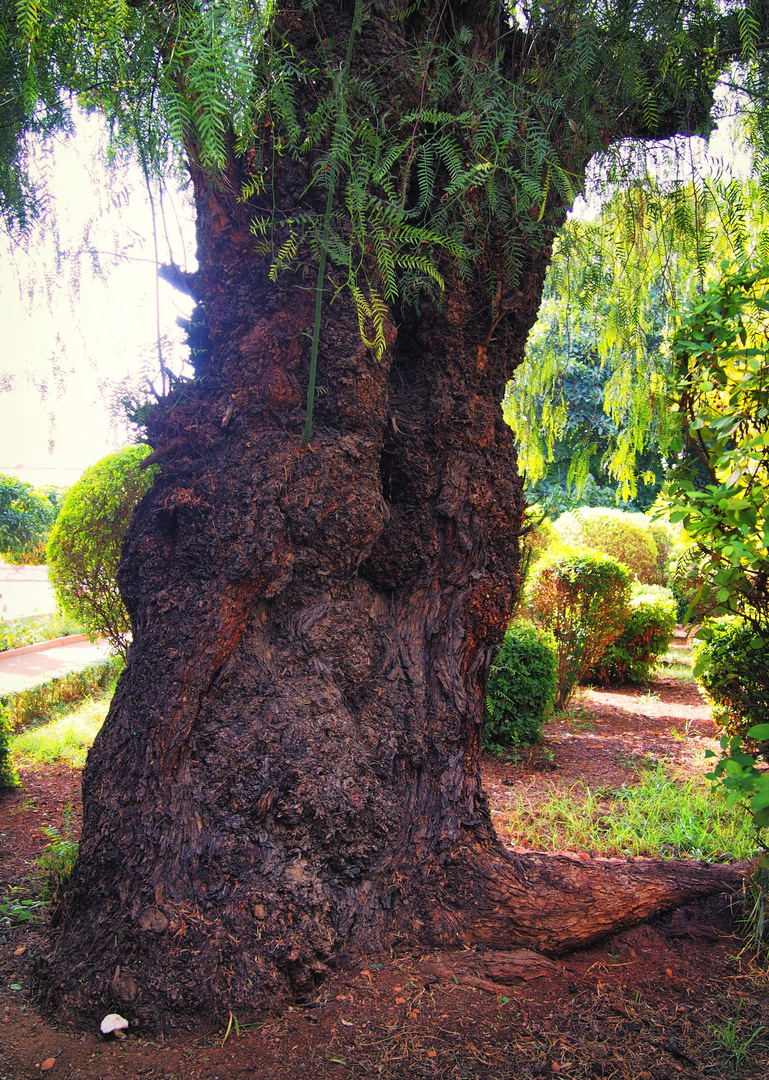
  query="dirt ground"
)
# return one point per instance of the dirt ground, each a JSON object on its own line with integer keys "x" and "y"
{"x": 672, "y": 998}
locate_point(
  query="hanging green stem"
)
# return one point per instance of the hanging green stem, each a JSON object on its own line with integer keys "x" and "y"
{"x": 326, "y": 224}
{"x": 318, "y": 311}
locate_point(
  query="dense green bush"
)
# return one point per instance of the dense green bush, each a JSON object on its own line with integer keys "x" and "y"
{"x": 8, "y": 775}
{"x": 582, "y": 596}
{"x": 26, "y": 517}
{"x": 731, "y": 660}
{"x": 666, "y": 537}
{"x": 615, "y": 533}
{"x": 649, "y": 627}
{"x": 85, "y": 543}
{"x": 521, "y": 688}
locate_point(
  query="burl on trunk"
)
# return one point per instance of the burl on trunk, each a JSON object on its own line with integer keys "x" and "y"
{"x": 289, "y": 774}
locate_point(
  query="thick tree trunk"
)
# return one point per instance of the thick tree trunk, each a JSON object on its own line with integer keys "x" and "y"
{"x": 289, "y": 774}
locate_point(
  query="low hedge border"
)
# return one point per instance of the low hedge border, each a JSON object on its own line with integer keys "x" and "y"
{"x": 23, "y": 707}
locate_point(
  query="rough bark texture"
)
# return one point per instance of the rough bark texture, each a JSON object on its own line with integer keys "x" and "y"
{"x": 288, "y": 776}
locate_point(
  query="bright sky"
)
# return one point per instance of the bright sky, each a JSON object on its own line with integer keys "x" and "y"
{"x": 70, "y": 337}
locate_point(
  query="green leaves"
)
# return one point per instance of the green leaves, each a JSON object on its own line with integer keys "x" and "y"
{"x": 522, "y": 686}
{"x": 719, "y": 487}
{"x": 85, "y": 544}
{"x": 26, "y": 517}
{"x": 746, "y": 783}
{"x": 616, "y": 289}
{"x": 582, "y": 597}
{"x": 730, "y": 661}
{"x": 648, "y": 630}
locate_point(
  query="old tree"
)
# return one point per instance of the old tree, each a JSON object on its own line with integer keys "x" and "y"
{"x": 288, "y": 777}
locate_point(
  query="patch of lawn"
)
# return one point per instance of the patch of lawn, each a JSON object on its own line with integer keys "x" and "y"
{"x": 64, "y": 739}
{"x": 677, "y": 662}
{"x": 660, "y": 817}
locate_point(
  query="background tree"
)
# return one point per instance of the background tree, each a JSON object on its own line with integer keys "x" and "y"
{"x": 568, "y": 447}
{"x": 85, "y": 543}
{"x": 289, "y": 773}
{"x": 615, "y": 295}
{"x": 26, "y": 518}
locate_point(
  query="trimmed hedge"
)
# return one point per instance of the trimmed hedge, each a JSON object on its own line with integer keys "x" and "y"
{"x": 23, "y": 707}
{"x": 582, "y": 597}
{"x": 731, "y": 660}
{"x": 30, "y": 631}
{"x": 649, "y": 628}
{"x": 522, "y": 686}
{"x": 666, "y": 537}
{"x": 614, "y": 532}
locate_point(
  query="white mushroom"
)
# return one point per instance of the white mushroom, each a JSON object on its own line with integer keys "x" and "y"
{"x": 114, "y": 1025}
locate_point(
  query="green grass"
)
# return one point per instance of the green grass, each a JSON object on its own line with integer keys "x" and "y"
{"x": 64, "y": 739}
{"x": 678, "y": 664}
{"x": 729, "y": 1039}
{"x": 659, "y": 817}
{"x": 577, "y": 715}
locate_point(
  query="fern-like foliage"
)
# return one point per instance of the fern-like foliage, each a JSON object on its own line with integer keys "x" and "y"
{"x": 495, "y": 148}
{"x": 618, "y": 286}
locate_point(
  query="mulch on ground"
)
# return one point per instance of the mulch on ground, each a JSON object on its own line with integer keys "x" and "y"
{"x": 672, "y": 998}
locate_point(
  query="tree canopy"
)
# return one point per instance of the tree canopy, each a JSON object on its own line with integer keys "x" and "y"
{"x": 488, "y": 148}
{"x": 620, "y": 285}
{"x": 26, "y": 517}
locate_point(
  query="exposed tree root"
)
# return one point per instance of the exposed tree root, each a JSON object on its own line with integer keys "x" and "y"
{"x": 558, "y": 903}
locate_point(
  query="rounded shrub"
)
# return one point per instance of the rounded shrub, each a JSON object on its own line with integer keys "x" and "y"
{"x": 615, "y": 533}
{"x": 649, "y": 628}
{"x": 85, "y": 543}
{"x": 582, "y": 597}
{"x": 522, "y": 687}
{"x": 666, "y": 537}
{"x": 731, "y": 660}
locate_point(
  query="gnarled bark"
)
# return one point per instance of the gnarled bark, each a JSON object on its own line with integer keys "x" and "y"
{"x": 288, "y": 776}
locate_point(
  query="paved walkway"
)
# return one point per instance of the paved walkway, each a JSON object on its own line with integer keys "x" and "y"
{"x": 29, "y": 666}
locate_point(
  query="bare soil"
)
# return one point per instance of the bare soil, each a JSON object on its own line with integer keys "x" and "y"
{"x": 672, "y": 998}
